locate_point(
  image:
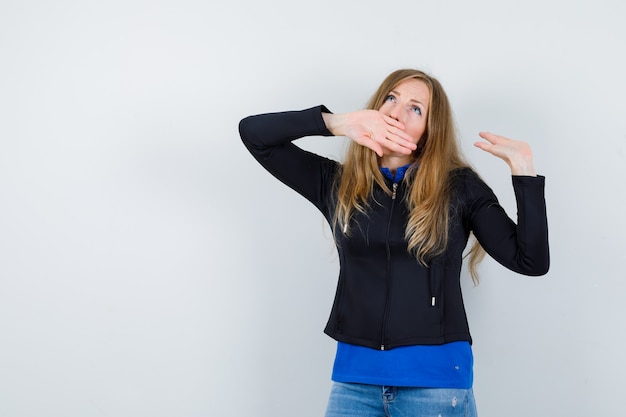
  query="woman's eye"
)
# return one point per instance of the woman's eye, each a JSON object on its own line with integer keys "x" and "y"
{"x": 417, "y": 110}
{"x": 390, "y": 97}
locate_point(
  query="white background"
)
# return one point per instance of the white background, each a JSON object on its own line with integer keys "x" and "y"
{"x": 149, "y": 266}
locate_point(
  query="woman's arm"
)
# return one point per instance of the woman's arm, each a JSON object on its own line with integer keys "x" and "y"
{"x": 521, "y": 247}
{"x": 268, "y": 137}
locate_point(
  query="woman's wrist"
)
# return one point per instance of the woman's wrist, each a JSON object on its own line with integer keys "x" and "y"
{"x": 524, "y": 167}
{"x": 334, "y": 123}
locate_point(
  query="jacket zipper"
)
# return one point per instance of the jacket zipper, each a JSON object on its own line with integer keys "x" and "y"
{"x": 388, "y": 249}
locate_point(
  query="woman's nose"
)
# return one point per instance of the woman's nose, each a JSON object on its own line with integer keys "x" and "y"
{"x": 394, "y": 113}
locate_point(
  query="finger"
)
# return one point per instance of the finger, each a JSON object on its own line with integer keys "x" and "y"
{"x": 370, "y": 142}
{"x": 393, "y": 135}
{"x": 405, "y": 143}
{"x": 393, "y": 122}
{"x": 400, "y": 147}
{"x": 398, "y": 140}
{"x": 399, "y": 136}
{"x": 377, "y": 148}
{"x": 397, "y": 128}
{"x": 495, "y": 139}
{"x": 402, "y": 135}
{"x": 488, "y": 136}
{"x": 484, "y": 146}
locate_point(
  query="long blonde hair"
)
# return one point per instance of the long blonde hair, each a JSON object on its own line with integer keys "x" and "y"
{"x": 429, "y": 194}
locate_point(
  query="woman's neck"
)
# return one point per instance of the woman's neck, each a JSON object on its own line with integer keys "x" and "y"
{"x": 393, "y": 162}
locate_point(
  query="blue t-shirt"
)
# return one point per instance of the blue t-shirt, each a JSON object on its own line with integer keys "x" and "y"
{"x": 430, "y": 366}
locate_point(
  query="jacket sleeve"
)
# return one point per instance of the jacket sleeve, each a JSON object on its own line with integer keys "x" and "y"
{"x": 268, "y": 137}
{"x": 521, "y": 247}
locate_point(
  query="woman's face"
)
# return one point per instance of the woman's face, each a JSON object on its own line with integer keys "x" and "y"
{"x": 408, "y": 103}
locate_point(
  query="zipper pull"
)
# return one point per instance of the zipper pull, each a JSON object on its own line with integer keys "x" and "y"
{"x": 393, "y": 191}
{"x": 382, "y": 347}
{"x": 432, "y": 301}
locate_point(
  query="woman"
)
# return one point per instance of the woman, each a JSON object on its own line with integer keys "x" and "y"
{"x": 402, "y": 207}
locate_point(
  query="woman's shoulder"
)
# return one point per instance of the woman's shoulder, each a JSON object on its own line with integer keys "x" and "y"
{"x": 464, "y": 174}
{"x": 466, "y": 181}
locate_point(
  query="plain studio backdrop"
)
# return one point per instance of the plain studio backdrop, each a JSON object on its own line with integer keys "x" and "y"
{"x": 150, "y": 267}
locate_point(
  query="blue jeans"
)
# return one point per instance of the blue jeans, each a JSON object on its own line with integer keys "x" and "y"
{"x": 359, "y": 400}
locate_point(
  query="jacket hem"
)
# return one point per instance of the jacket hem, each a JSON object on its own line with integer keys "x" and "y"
{"x": 390, "y": 344}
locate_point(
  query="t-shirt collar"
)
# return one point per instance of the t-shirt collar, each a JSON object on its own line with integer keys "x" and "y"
{"x": 399, "y": 173}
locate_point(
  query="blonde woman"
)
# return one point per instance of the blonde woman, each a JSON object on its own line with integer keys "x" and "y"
{"x": 402, "y": 206}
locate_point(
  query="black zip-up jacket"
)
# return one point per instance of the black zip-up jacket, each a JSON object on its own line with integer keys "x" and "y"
{"x": 385, "y": 298}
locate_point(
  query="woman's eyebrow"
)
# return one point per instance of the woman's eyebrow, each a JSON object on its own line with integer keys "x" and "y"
{"x": 395, "y": 93}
